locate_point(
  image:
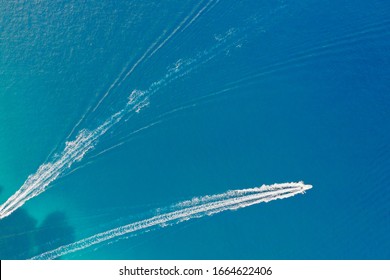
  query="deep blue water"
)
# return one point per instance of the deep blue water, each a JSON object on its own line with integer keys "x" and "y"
{"x": 265, "y": 92}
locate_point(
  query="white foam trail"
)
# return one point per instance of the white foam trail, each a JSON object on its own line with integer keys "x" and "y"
{"x": 73, "y": 152}
{"x": 195, "y": 208}
{"x": 85, "y": 141}
{"x": 172, "y": 75}
{"x": 83, "y": 117}
{"x": 152, "y": 50}
{"x": 199, "y": 14}
{"x": 182, "y": 24}
{"x": 119, "y": 80}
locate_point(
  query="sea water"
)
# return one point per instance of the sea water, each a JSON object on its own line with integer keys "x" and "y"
{"x": 241, "y": 94}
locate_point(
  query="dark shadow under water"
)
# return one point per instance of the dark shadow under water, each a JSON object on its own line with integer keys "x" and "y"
{"x": 22, "y": 238}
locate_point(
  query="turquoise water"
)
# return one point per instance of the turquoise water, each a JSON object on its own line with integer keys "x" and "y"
{"x": 244, "y": 94}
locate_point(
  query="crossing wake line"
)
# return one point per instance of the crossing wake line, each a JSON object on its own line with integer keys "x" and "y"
{"x": 73, "y": 152}
{"x": 196, "y": 208}
{"x": 86, "y": 140}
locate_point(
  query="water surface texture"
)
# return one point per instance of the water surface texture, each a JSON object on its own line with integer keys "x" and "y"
{"x": 111, "y": 111}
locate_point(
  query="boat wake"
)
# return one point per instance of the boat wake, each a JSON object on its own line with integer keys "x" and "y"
{"x": 86, "y": 139}
{"x": 73, "y": 152}
{"x": 196, "y": 208}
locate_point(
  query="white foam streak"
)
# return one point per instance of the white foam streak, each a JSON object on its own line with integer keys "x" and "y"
{"x": 152, "y": 50}
{"x": 237, "y": 193}
{"x": 84, "y": 142}
{"x": 119, "y": 80}
{"x": 169, "y": 36}
{"x": 195, "y": 208}
{"x": 73, "y": 152}
{"x": 199, "y": 14}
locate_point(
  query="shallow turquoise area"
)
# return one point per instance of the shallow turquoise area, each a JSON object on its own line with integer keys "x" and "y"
{"x": 244, "y": 93}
